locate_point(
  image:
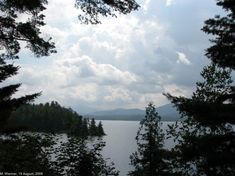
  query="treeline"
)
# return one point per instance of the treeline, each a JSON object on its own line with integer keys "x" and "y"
{"x": 52, "y": 117}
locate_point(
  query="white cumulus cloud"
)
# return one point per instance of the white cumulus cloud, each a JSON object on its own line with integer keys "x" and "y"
{"x": 183, "y": 59}
{"x": 123, "y": 62}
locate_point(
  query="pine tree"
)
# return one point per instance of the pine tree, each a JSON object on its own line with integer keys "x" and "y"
{"x": 206, "y": 138}
{"x": 7, "y": 103}
{"x": 222, "y": 28}
{"x": 149, "y": 157}
{"x": 78, "y": 157}
{"x": 100, "y": 130}
{"x": 92, "y": 127}
{"x": 93, "y": 9}
{"x": 85, "y": 128}
{"x": 28, "y": 153}
{"x": 12, "y": 33}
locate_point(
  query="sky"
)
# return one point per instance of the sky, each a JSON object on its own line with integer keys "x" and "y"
{"x": 125, "y": 62}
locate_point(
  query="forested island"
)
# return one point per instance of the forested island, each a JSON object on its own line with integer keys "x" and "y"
{"x": 54, "y": 118}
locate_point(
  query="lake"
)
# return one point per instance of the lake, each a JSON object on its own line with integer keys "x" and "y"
{"x": 121, "y": 143}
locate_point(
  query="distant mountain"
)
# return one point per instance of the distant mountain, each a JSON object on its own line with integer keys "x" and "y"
{"x": 167, "y": 112}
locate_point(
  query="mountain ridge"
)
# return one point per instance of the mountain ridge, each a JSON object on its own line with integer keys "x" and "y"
{"x": 167, "y": 112}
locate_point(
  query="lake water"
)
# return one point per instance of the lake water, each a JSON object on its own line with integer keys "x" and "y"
{"x": 121, "y": 143}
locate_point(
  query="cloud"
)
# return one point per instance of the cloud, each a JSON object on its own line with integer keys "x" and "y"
{"x": 86, "y": 68}
{"x": 124, "y": 62}
{"x": 169, "y": 2}
{"x": 145, "y": 5}
{"x": 118, "y": 93}
{"x": 183, "y": 59}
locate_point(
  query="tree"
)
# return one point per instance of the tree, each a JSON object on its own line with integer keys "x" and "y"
{"x": 84, "y": 128}
{"x": 222, "y": 52}
{"x": 205, "y": 136}
{"x": 77, "y": 157}
{"x": 92, "y": 128}
{"x": 52, "y": 117}
{"x": 12, "y": 33}
{"x": 150, "y": 155}
{"x": 100, "y": 129}
{"x": 92, "y": 9}
{"x": 28, "y": 153}
{"x": 7, "y": 103}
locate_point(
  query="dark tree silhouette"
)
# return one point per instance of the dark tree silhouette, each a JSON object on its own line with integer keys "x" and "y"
{"x": 92, "y": 128}
{"x": 26, "y": 153}
{"x": 100, "y": 129}
{"x": 206, "y": 136}
{"x": 7, "y": 102}
{"x": 52, "y": 117}
{"x": 77, "y": 157}
{"x": 223, "y": 48}
{"x": 150, "y": 158}
{"x": 93, "y": 9}
{"x": 12, "y": 33}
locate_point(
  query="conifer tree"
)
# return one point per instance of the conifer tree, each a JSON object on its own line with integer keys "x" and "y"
{"x": 207, "y": 137}
{"x": 13, "y": 31}
{"x": 100, "y": 130}
{"x": 149, "y": 157}
{"x": 27, "y": 153}
{"x": 78, "y": 157}
{"x": 92, "y": 127}
{"x": 93, "y": 9}
{"x": 7, "y": 102}
{"x": 222, "y": 28}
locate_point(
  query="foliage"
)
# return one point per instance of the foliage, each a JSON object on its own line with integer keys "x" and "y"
{"x": 206, "y": 137}
{"x": 223, "y": 49}
{"x": 7, "y": 102}
{"x": 100, "y": 129}
{"x": 28, "y": 153}
{"x": 217, "y": 83}
{"x": 52, "y": 117}
{"x": 13, "y": 32}
{"x": 92, "y": 9}
{"x": 77, "y": 157}
{"x": 96, "y": 129}
{"x": 150, "y": 157}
